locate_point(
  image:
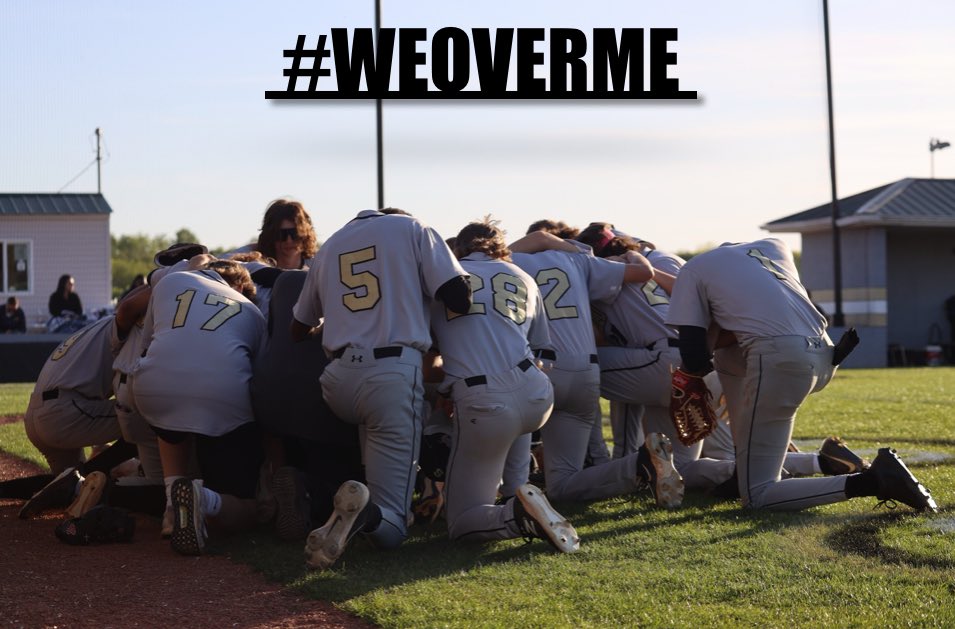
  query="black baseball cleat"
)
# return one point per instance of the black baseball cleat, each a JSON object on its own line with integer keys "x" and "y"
{"x": 897, "y": 483}
{"x": 189, "y": 526}
{"x": 293, "y": 506}
{"x": 655, "y": 468}
{"x": 536, "y": 518}
{"x": 58, "y": 493}
{"x": 835, "y": 458}
{"x": 353, "y": 510}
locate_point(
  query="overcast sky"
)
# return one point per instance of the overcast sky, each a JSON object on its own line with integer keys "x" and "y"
{"x": 190, "y": 140}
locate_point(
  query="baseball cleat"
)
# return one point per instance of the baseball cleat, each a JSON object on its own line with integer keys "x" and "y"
{"x": 57, "y": 493}
{"x": 189, "y": 524}
{"x": 536, "y": 518}
{"x": 293, "y": 508}
{"x": 91, "y": 493}
{"x": 655, "y": 465}
{"x": 265, "y": 506}
{"x": 326, "y": 544}
{"x": 836, "y": 458}
{"x": 896, "y": 482}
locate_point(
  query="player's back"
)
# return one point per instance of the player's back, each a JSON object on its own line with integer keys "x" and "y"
{"x": 751, "y": 288}
{"x": 201, "y": 337}
{"x": 568, "y": 282}
{"x": 83, "y": 362}
{"x": 505, "y": 320}
{"x": 375, "y": 278}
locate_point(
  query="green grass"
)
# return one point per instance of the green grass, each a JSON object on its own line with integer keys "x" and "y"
{"x": 709, "y": 563}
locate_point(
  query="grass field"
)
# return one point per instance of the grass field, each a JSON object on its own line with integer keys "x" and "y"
{"x": 707, "y": 564}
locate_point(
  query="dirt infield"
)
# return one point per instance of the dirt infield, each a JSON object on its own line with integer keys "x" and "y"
{"x": 141, "y": 584}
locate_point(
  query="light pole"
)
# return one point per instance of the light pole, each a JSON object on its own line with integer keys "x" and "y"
{"x": 935, "y": 145}
{"x": 838, "y": 318}
{"x": 381, "y": 157}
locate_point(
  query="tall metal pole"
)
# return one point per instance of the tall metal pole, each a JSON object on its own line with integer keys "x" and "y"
{"x": 838, "y": 319}
{"x": 381, "y": 157}
{"x": 99, "y": 161}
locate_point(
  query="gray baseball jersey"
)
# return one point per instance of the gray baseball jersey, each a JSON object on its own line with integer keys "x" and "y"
{"x": 70, "y": 407}
{"x": 499, "y": 393}
{"x": 200, "y": 337}
{"x": 372, "y": 283}
{"x": 361, "y": 284}
{"x": 569, "y": 282}
{"x": 783, "y": 355}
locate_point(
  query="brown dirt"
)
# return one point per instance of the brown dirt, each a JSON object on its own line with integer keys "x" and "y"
{"x": 46, "y": 583}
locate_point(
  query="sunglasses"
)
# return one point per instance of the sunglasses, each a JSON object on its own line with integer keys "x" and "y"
{"x": 288, "y": 232}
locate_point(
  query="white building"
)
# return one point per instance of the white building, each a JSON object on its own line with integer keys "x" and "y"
{"x": 43, "y": 236}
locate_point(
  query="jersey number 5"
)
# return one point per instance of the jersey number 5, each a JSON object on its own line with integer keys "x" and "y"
{"x": 363, "y": 282}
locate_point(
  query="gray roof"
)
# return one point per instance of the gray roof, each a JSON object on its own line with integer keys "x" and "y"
{"x": 52, "y": 204}
{"x": 905, "y": 203}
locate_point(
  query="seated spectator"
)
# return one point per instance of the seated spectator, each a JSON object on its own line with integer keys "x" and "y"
{"x": 64, "y": 299}
{"x": 13, "y": 319}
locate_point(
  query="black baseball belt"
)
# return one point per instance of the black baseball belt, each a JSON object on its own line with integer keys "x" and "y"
{"x": 474, "y": 381}
{"x": 379, "y": 352}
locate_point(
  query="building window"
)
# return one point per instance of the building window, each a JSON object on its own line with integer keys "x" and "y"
{"x": 16, "y": 264}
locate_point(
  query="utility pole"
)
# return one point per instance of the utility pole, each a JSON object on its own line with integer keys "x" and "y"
{"x": 99, "y": 161}
{"x": 381, "y": 158}
{"x": 838, "y": 319}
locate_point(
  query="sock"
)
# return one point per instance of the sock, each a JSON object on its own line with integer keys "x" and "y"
{"x": 862, "y": 484}
{"x": 374, "y": 518}
{"x": 817, "y": 463}
{"x": 168, "y": 481}
{"x": 211, "y": 502}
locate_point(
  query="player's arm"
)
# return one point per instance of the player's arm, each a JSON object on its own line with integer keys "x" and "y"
{"x": 694, "y": 350}
{"x": 456, "y": 294}
{"x": 535, "y": 242}
{"x": 131, "y": 309}
{"x": 301, "y": 331}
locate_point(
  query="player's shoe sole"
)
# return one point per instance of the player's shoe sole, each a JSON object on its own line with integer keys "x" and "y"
{"x": 896, "y": 482}
{"x": 293, "y": 521}
{"x": 667, "y": 484}
{"x": 547, "y": 523}
{"x": 326, "y": 544}
{"x": 91, "y": 492}
{"x": 188, "y": 524}
{"x": 57, "y": 493}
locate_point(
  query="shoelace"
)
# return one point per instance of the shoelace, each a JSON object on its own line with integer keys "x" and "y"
{"x": 888, "y": 503}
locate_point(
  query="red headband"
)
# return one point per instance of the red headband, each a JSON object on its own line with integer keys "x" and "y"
{"x": 606, "y": 235}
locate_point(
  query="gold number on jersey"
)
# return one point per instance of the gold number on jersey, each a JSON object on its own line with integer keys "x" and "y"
{"x": 476, "y": 308}
{"x": 232, "y": 308}
{"x": 510, "y": 297}
{"x": 654, "y": 297}
{"x": 65, "y": 346}
{"x": 768, "y": 264}
{"x": 561, "y": 286}
{"x": 364, "y": 280}
{"x": 182, "y": 311}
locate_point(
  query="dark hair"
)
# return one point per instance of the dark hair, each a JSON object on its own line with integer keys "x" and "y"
{"x": 281, "y": 210}
{"x": 235, "y": 275}
{"x": 484, "y": 236}
{"x": 557, "y": 228}
{"x": 607, "y": 241}
{"x": 394, "y": 210}
{"x": 61, "y": 284}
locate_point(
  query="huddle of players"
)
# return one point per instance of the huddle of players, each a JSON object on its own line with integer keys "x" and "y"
{"x": 516, "y": 338}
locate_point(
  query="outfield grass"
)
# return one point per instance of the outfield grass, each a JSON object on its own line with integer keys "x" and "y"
{"x": 708, "y": 563}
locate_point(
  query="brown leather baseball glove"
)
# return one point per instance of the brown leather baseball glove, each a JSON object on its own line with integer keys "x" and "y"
{"x": 690, "y": 407}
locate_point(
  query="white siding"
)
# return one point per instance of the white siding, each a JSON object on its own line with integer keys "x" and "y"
{"x": 78, "y": 245}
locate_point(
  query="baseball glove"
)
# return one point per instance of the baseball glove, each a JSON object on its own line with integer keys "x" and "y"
{"x": 102, "y": 523}
{"x": 179, "y": 251}
{"x": 691, "y": 408}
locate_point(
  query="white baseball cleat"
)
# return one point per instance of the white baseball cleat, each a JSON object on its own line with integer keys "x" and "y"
{"x": 326, "y": 544}
{"x": 536, "y": 517}
{"x": 655, "y": 466}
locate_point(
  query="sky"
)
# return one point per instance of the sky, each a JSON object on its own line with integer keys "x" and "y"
{"x": 190, "y": 140}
